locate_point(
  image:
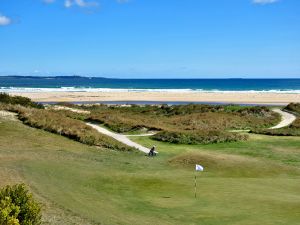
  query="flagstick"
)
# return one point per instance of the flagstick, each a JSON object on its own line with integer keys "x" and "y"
{"x": 196, "y": 185}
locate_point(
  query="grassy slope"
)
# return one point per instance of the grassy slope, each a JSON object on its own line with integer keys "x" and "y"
{"x": 255, "y": 182}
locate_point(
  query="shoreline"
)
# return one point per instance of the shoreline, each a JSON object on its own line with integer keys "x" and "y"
{"x": 163, "y": 103}
{"x": 163, "y": 97}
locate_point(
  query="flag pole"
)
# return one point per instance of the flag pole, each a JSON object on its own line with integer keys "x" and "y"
{"x": 195, "y": 185}
{"x": 198, "y": 168}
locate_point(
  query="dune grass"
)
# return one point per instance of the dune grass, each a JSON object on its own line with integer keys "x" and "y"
{"x": 182, "y": 117}
{"x": 199, "y": 137}
{"x": 193, "y": 124}
{"x": 254, "y": 182}
{"x": 58, "y": 123}
{"x": 293, "y": 107}
{"x": 291, "y": 130}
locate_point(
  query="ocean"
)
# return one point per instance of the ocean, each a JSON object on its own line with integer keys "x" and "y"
{"x": 97, "y": 84}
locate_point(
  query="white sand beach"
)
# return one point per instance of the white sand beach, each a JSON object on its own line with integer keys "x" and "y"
{"x": 226, "y": 97}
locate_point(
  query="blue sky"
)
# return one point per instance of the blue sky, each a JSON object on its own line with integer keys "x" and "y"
{"x": 151, "y": 38}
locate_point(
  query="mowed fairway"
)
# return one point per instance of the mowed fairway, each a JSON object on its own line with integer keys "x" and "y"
{"x": 244, "y": 183}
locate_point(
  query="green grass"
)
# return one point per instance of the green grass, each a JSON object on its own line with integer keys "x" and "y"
{"x": 253, "y": 182}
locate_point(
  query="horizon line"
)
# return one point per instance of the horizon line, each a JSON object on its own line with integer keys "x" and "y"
{"x": 146, "y": 78}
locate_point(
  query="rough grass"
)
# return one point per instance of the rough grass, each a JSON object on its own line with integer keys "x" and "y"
{"x": 254, "y": 182}
{"x": 57, "y": 123}
{"x": 293, "y": 107}
{"x": 184, "y": 124}
{"x": 182, "y": 117}
{"x": 199, "y": 137}
{"x": 291, "y": 130}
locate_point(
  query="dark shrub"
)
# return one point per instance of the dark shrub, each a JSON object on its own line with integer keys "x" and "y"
{"x": 19, "y": 100}
{"x": 293, "y": 107}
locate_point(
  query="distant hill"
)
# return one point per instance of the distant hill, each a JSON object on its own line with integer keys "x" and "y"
{"x": 48, "y": 77}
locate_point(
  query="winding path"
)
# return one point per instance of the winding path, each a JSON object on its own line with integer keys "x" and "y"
{"x": 121, "y": 138}
{"x": 286, "y": 119}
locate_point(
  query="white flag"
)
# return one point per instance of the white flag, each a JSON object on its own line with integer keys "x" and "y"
{"x": 199, "y": 168}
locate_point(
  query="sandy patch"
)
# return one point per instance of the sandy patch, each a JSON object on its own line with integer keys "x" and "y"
{"x": 8, "y": 115}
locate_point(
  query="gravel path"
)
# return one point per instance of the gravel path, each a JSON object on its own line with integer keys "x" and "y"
{"x": 139, "y": 135}
{"x": 286, "y": 119}
{"x": 120, "y": 137}
{"x": 58, "y": 107}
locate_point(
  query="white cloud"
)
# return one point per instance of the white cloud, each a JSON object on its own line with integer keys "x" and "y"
{"x": 122, "y": 1}
{"x": 263, "y": 2}
{"x": 49, "y": 1}
{"x": 80, "y": 3}
{"x": 4, "y": 20}
{"x": 68, "y": 3}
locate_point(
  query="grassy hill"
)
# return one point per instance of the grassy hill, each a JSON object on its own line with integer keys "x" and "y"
{"x": 253, "y": 182}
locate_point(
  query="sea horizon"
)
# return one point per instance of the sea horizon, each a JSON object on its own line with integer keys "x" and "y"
{"x": 16, "y": 84}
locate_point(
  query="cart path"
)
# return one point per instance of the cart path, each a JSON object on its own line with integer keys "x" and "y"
{"x": 121, "y": 138}
{"x": 286, "y": 119}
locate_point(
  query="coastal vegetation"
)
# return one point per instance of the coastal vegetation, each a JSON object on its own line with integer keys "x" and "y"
{"x": 19, "y": 100}
{"x": 185, "y": 124}
{"x": 294, "y": 108}
{"x": 182, "y": 124}
{"x": 291, "y": 130}
{"x": 199, "y": 137}
{"x": 55, "y": 122}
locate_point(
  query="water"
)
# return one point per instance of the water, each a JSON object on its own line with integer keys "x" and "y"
{"x": 86, "y": 84}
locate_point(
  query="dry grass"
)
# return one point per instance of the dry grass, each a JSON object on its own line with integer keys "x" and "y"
{"x": 176, "y": 118}
{"x": 188, "y": 124}
{"x": 291, "y": 130}
{"x": 199, "y": 137}
{"x": 57, "y": 123}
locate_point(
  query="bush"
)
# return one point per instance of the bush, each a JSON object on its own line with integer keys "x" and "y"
{"x": 19, "y": 100}
{"x": 17, "y": 206}
{"x": 293, "y": 107}
{"x": 203, "y": 137}
{"x": 182, "y": 117}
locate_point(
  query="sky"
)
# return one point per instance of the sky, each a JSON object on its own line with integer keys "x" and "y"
{"x": 151, "y": 38}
